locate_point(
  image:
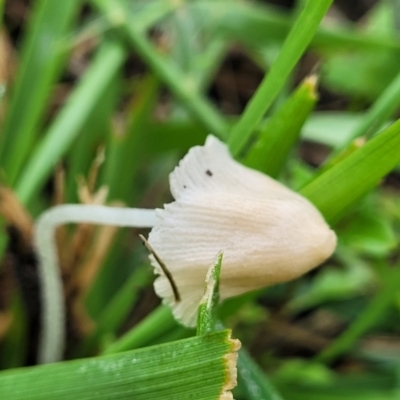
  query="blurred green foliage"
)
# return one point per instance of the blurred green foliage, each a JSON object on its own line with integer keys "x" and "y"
{"x": 144, "y": 122}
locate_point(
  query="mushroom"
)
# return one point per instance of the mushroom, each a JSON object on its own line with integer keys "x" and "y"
{"x": 267, "y": 232}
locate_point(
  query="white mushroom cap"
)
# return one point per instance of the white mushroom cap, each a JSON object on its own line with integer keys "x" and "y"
{"x": 267, "y": 232}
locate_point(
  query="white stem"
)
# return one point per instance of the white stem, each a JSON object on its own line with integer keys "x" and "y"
{"x": 52, "y": 337}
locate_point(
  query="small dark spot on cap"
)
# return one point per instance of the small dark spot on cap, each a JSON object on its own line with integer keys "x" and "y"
{"x": 184, "y": 186}
{"x": 209, "y": 173}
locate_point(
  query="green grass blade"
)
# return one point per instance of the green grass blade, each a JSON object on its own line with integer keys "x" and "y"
{"x": 340, "y": 187}
{"x": 117, "y": 309}
{"x": 373, "y": 119}
{"x": 87, "y": 144}
{"x": 256, "y": 24}
{"x": 199, "y": 368}
{"x": 182, "y": 85}
{"x": 121, "y": 304}
{"x": 313, "y": 382}
{"x": 252, "y": 381}
{"x": 367, "y": 319}
{"x": 208, "y": 62}
{"x": 296, "y": 43}
{"x": 177, "y": 333}
{"x": 41, "y": 62}
{"x": 383, "y": 108}
{"x": 157, "y": 323}
{"x": 71, "y": 118}
{"x": 206, "y": 317}
{"x": 1, "y": 11}
{"x": 282, "y": 130}
{"x": 160, "y": 321}
{"x": 197, "y": 52}
{"x": 124, "y": 150}
{"x": 184, "y": 31}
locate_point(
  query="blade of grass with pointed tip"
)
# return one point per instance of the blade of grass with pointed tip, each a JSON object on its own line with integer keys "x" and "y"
{"x": 335, "y": 191}
{"x": 199, "y": 368}
{"x": 294, "y": 46}
{"x": 280, "y": 133}
{"x": 341, "y": 155}
{"x": 41, "y": 62}
{"x": 206, "y": 317}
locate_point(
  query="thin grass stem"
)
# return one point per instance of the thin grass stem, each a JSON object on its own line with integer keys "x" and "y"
{"x": 294, "y": 46}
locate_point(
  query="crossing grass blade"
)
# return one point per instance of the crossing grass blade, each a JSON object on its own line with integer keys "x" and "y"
{"x": 182, "y": 85}
{"x": 339, "y": 188}
{"x": 294, "y": 46}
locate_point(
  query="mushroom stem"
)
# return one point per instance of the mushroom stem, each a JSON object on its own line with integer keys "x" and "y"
{"x": 52, "y": 336}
